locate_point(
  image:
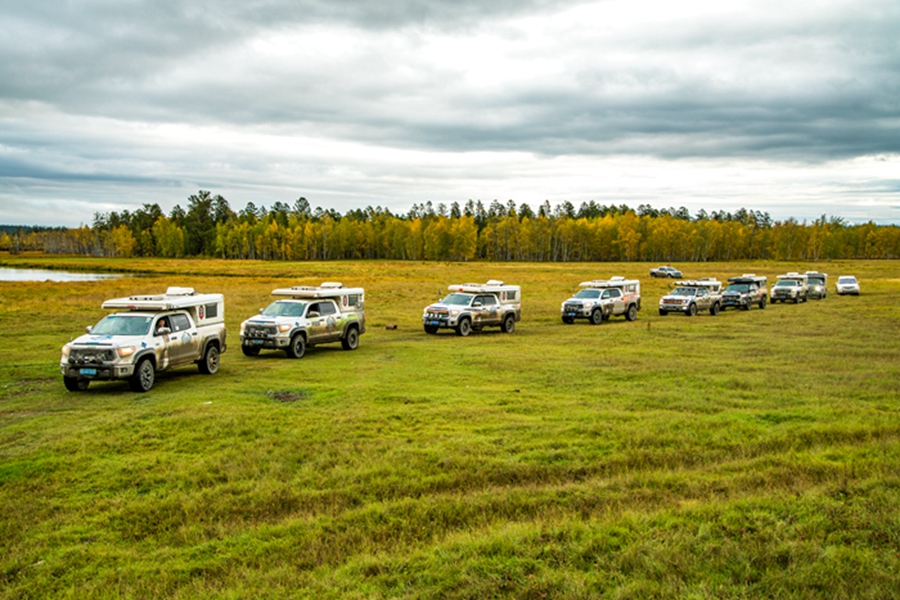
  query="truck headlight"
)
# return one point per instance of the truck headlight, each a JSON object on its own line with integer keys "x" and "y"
{"x": 284, "y": 328}
{"x": 125, "y": 351}
{"x": 454, "y": 313}
{"x": 65, "y": 351}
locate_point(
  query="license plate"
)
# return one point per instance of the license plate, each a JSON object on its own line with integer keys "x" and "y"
{"x": 257, "y": 342}
{"x": 88, "y": 371}
{"x": 571, "y": 315}
{"x": 434, "y": 322}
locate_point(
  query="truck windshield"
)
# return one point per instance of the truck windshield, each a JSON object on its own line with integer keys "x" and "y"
{"x": 684, "y": 291}
{"x": 816, "y": 281}
{"x": 589, "y": 294}
{"x": 122, "y": 325}
{"x": 786, "y": 283}
{"x": 742, "y": 288}
{"x": 285, "y": 309}
{"x": 847, "y": 280}
{"x": 457, "y": 299}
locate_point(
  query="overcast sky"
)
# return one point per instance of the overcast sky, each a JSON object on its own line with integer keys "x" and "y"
{"x": 787, "y": 107}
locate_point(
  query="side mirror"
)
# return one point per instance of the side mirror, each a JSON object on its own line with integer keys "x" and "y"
{"x": 163, "y": 331}
{"x": 89, "y": 328}
{"x": 313, "y": 315}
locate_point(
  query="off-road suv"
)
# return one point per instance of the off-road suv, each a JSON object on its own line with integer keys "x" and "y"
{"x": 791, "y": 286}
{"x": 307, "y": 316}
{"x": 745, "y": 291}
{"x": 600, "y": 299}
{"x": 816, "y": 285}
{"x": 690, "y": 297}
{"x": 665, "y": 271}
{"x": 156, "y": 333}
{"x": 474, "y": 306}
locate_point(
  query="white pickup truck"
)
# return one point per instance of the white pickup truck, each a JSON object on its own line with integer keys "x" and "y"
{"x": 305, "y": 317}
{"x": 153, "y": 333}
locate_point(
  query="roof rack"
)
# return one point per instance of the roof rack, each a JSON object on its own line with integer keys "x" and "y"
{"x": 174, "y": 298}
{"x": 492, "y": 285}
{"x": 612, "y": 282}
{"x": 702, "y": 282}
{"x": 328, "y": 289}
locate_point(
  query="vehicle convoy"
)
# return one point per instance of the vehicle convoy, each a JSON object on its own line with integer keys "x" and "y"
{"x": 847, "y": 284}
{"x": 474, "y": 306}
{"x": 791, "y": 286}
{"x": 691, "y": 296}
{"x": 600, "y": 299}
{"x": 305, "y": 317}
{"x": 154, "y": 333}
{"x": 817, "y": 284}
{"x": 745, "y": 291}
{"x": 666, "y": 271}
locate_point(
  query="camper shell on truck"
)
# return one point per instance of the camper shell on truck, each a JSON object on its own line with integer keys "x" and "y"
{"x": 474, "y": 306}
{"x": 153, "y": 333}
{"x": 816, "y": 285}
{"x": 790, "y": 286}
{"x": 305, "y": 316}
{"x": 691, "y": 296}
{"x": 745, "y": 291}
{"x": 600, "y": 299}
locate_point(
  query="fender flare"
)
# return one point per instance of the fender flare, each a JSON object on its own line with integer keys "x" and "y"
{"x": 151, "y": 352}
{"x": 347, "y": 327}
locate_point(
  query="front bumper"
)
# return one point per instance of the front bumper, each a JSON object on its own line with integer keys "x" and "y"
{"x": 736, "y": 301}
{"x": 577, "y": 312}
{"x": 101, "y": 372}
{"x": 442, "y": 321}
{"x": 269, "y": 341}
{"x": 674, "y": 307}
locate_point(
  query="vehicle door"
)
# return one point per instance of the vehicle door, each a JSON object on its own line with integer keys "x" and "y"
{"x": 613, "y": 297}
{"x": 331, "y": 315}
{"x": 184, "y": 341}
{"x": 488, "y": 309}
{"x": 316, "y": 328}
{"x": 703, "y": 299}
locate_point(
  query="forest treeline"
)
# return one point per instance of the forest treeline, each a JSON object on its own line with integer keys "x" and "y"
{"x": 501, "y": 232}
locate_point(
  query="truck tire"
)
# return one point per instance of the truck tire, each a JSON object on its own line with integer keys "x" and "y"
{"x": 509, "y": 324}
{"x": 762, "y": 302}
{"x": 797, "y": 300}
{"x": 663, "y": 313}
{"x": 250, "y": 350}
{"x": 297, "y": 347}
{"x": 631, "y": 313}
{"x": 714, "y": 309}
{"x": 464, "y": 328}
{"x": 597, "y": 316}
{"x": 144, "y": 376}
{"x": 73, "y": 384}
{"x": 692, "y": 310}
{"x": 431, "y": 329}
{"x": 351, "y": 340}
{"x": 568, "y": 320}
{"x": 209, "y": 365}
{"x": 746, "y": 306}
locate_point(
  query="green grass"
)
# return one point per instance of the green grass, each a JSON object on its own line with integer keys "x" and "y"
{"x": 753, "y": 454}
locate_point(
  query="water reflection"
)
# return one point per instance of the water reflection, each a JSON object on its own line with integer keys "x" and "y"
{"x": 7, "y": 274}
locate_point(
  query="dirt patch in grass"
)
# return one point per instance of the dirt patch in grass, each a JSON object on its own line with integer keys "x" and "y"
{"x": 287, "y": 396}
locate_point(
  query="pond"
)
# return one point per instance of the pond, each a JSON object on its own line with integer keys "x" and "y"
{"x": 7, "y": 274}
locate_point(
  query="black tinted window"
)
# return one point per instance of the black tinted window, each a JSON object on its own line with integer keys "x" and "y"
{"x": 179, "y": 322}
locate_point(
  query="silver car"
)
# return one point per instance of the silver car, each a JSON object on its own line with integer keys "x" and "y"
{"x": 847, "y": 284}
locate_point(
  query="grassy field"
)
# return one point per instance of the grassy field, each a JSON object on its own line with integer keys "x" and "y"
{"x": 752, "y": 454}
